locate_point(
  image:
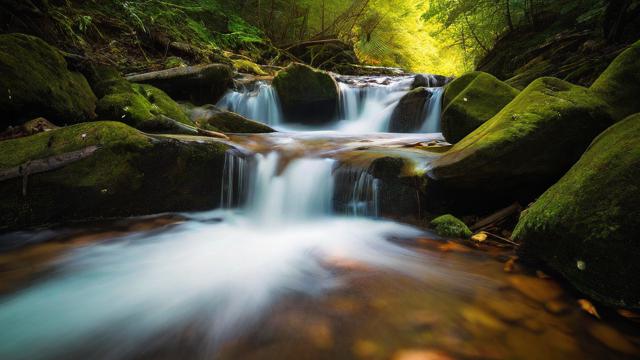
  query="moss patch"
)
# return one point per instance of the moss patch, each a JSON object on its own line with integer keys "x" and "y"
{"x": 129, "y": 174}
{"x": 586, "y": 226}
{"x": 534, "y": 139}
{"x": 212, "y": 118}
{"x": 450, "y": 226}
{"x": 470, "y": 101}
{"x": 306, "y": 94}
{"x": 35, "y": 82}
{"x": 619, "y": 84}
{"x": 249, "y": 67}
{"x": 137, "y": 105}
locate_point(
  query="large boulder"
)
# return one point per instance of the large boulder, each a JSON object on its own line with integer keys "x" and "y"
{"x": 470, "y": 100}
{"x": 529, "y": 144}
{"x": 619, "y": 84}
{"x": 142, "y": 106}
{"x": 586, "y": 226}
{"x": 409, "y": 114}
{"x": 200, "y": 84}
{"x": 307, "y": 95}
{"x": 102, "y": 169}
{"x": 35, "y": 82}
{"x": 210, "y": 117}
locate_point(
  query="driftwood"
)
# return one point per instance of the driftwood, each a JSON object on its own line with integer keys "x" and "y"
{"x": 497, "y": 216}
{"x": 45, "y": 164}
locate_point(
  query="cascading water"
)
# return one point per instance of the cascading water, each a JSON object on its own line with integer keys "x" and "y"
{"x": 365, "y": 103}
{"x": 258, "y": 102}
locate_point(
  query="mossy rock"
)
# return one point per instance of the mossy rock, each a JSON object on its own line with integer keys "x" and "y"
{"x": 35, "y": 82}
{"x": 451, "y": 227}
{"x": 199, "y": 84}
{"x": 471, "y": 100}
{"x": 141, "y": 106}
{"x": 211, "y": 118}
{"x": 128, "y": 173}
{"x": 586, "y": 226}
{"x": 619, "y": 84}
{"x": 174, "y": 62}
{"x": 307, "y": 95}
{"x": 248, "y": 67}
{"x": 409, "y": 114}
{"x": 532, "y": 141}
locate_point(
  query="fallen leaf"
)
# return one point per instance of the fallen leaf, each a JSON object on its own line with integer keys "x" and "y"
{"x": 479, "y": 237}
{"x": 588, "y": 307}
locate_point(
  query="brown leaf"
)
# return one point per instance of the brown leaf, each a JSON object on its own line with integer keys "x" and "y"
{"x": 588, "y": 307}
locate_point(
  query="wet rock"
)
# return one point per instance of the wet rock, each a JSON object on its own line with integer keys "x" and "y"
{"x": 36, "y": 82}
{"x": 410, "y": 113}
{"x": 471, "y": 100}
{"x": 144, "y": 107}
{"x": 585, "y": 227}
{"x": 399, "y": 190}
{"x": 529, "y": 145}
{"x": 199, "y": 84}
{"x": 450, "y": 226}
{"x": 212, "y": 118}
{"x": 307, "y": 95}
{"x": 619, "y": 84}
{"x": 429, "y": 80}
{"x": 111, "y": 169}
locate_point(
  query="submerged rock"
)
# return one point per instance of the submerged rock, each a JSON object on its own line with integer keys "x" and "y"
{"x": 141, "y": 106}
{"x": 199, "y": 84}
{"x": 619, "y": 84}
{"x": 409, "y": 115}
{"x": 586, "y": 226}
{"x": 307, "y": 95}
{"x": 450, "y": 226}
{"x": 102, "y": 169}
{"x": 35, "y": 82}
{"x": 528, "y": 145}
{"x": 210, "y": 117}
{"x": 471, "y": 100}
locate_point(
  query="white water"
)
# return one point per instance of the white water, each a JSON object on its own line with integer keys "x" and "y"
{"x": 259, "y": 103}
{"x": 220, "y": 277}
{"x": 366, "y": 104}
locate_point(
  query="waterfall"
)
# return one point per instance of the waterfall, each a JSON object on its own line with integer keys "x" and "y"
{"x": 235, "y": 179}
{"x": 258, "y": 102}
{"x": 433, "y": 112}
{"x": 357, "y": 192}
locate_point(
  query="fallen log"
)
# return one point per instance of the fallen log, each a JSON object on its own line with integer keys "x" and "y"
{"x": 497, "y": 216}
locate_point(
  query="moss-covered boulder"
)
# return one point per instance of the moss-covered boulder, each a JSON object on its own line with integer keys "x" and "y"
{"x": 619, "y": 84}
{"x": 210, "y": 117}
{"x": 35, "y": 82}
{"x": 248, "y": 67}
{"x": 307, "y": 95}
{"x": 409, "y": 114}
{"x": 144, "y": 107}
{"x": 199, "y": 84}
{"x": 530, "y": 143}
{"x": 470, "y": 100}
{"x": 103, "y": 169}
{"x": 586, "y": 226}
{"x": 450, "y": 226}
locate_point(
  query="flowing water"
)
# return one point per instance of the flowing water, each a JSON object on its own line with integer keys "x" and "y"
{"x": 281, "y": 270}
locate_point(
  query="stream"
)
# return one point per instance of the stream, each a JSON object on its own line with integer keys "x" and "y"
{"x": 296, "y": 262}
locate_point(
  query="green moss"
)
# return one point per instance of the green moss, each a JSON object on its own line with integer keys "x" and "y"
{"x": 306, "y": 93}
{"x": 228, "y": 122}
{"x": 450, "y": 226}
{"x": 619, "y": 84}
{"x": 249, "y": 67}
{"x": 591, "y": 217}
{"x": 135, "y": 104}
{"x": 174, "y": 62}
{"x": 35, "y": 82}
{"x": 535, "y": 138}
{"x": 129, "y": 174}
{"x": 470, "y": 101}
{"x": 18, "y": 151}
